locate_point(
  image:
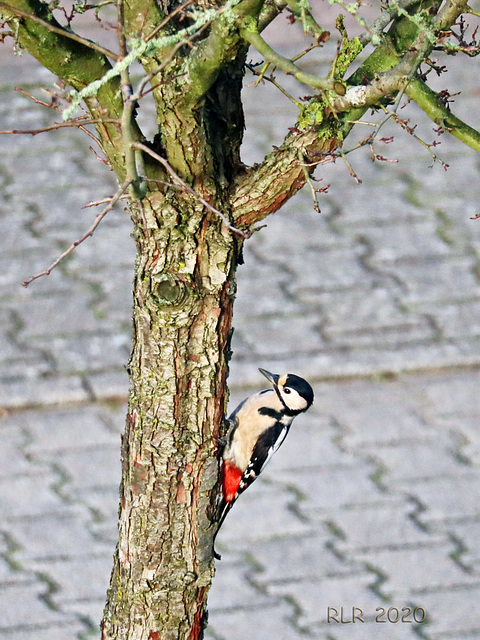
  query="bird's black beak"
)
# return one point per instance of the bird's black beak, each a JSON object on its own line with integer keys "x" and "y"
{"x": 271, "y": 377}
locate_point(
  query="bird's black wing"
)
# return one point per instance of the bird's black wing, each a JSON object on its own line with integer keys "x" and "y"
{"x": 266, "y": 445}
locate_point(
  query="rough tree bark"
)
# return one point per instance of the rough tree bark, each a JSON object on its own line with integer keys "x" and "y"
{"x": 193, "y": 205}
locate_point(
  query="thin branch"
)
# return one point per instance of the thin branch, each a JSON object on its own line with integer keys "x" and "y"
{"x": 185, "y": 187}
{"x": 308, "y": 180}
{"x": 139, "y": 93}
{"x": 261, "y": 77}
{"x": 97, "y": 203}
{"x": 375, "y": 30}
{"x": 429, "y": 102}
{"x": 60, "y": 125}
{"x": 310, "y": 25}
{"x": 87, "y": 234}
{"x": 60, "y": 31}
{"x": 252, "y": 35}
{"x": 269, "y": 12}
{"x": 350, "y": 168}
{"x": 170, "y": 16}
{"x": 137, "y": 189}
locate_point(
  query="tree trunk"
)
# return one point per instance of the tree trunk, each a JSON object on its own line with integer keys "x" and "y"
{"x": 184, "y": 288}
{"x": 183, "y": 297}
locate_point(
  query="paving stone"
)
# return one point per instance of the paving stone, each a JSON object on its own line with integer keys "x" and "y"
{"x": 54, "y": 536}
{"x": 262, "y": 623}
{"x": 10, "y": 573}
{"x": 263, "y": 512}
{"x": 55, "y": 430}
{"x": 82, "y": 353}
{"x": 278, "y": 335}
{"x": 446, "y": 498}
{"x": 27, "y": 365}
{"x": 452, "y": 611}
{"x": 234, "y": 589}
{"x": 49, "y": 632}
{"x": 394, "y": 240}
{"x": 418, "y": 460}
{"x": 413, "y": 571}
{"x": 12, "y": 457}
{"x": 468, "y": 535}
{"x": 441, "y": 280}
{"x": 42, "y": 391}
{"x": 452, "y": 395}
{"x": 377, "y": 412}
{"x": 76, "y": 579}
{"x": 29, "y": 495}
{"x": 22, "y": 606}
{"x": 369, "y": 630}
{"x": 110, "y": 385}
{"x": 265, "y": 293}
{"x": 298, "y": 558}
{"x": 373, "y": 528}
{"x": 325, "y": 490}
{"x": 313, "y": 597}
{"x": 330, "y": 270}
{"x": 367, "y": 318}
{"x": 301, "y": 223}
{"x": 41, "y": 317}
{"x": 311, "y": 444}
{"x": 97, "y": 466}
{"x": 455, "y": 320}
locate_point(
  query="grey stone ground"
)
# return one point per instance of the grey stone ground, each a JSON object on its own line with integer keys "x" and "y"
{"x": 373, "y": 502}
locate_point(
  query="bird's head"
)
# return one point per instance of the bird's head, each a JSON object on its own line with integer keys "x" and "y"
{"x": 294, "y": 392}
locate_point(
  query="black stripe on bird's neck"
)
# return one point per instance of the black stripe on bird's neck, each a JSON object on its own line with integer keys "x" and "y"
{"x": 272, "y": 413}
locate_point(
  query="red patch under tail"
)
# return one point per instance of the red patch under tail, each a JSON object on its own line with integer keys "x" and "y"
{"x": 231, "y": 480}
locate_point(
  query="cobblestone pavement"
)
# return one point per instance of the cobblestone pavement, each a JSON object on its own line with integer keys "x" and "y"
{"x": 372, "y": 507}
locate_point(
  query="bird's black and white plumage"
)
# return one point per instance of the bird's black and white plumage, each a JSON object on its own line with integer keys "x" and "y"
{"x": 257, "y": 428}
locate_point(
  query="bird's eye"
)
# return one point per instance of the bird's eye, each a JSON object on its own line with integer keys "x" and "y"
{"x": 287, "y": 390}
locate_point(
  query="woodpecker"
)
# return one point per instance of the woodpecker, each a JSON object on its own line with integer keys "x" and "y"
{"x": 257, "y": 428}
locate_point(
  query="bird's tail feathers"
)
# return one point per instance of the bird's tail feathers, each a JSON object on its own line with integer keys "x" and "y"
{"x": 223, "y": 509}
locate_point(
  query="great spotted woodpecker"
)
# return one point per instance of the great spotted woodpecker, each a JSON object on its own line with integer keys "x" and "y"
{"x": 257, "y": 428}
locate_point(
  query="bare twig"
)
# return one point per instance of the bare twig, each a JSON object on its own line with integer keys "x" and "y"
{"x": 253, "y": 36}
{"x": 308, "y": 180}
{"x": 350, "y": 168}
{"x": 60, "y": 31}
{"x": 50, "y": 105}
{"x": 262, "y": 77}
{"x": 97, "y": 203}
{"x": 171, "y": 15}
{"x": 185, "y": 187}
{"x": 87, "y": 234}
{"x": 60, "y": 125}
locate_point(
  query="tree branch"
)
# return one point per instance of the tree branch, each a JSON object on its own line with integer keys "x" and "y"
{"x": 59, "y": 30}
{"x": 78, "y": 65}
{"x": 250, "y": 33}
{"x": 437, "y": 111}
{"x": 264, "y": 189}
{"x": 210, "y": 55}
{"x": 390, "y": 68}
